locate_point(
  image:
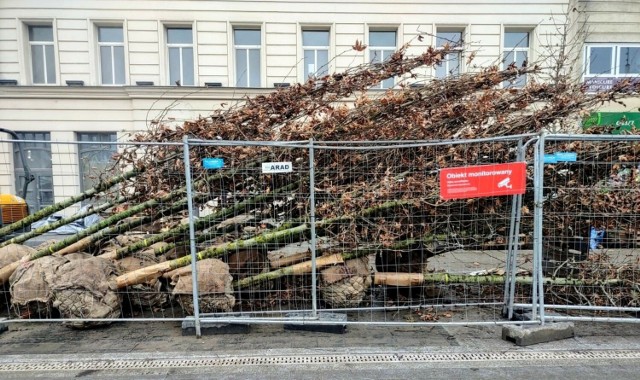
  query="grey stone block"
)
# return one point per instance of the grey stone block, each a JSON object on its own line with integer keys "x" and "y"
{"x": 333, "y": 323}
{"x": 3, "y": 325}
{"x": 526, "y": 335}
{"x": 213, "y": 328}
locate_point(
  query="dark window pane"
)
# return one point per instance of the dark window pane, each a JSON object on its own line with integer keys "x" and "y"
{"x": 118, "y": 62}
{"x": 179, "y": 36}
{"x": 105, "y": 64}
{"x": 37, "y": 63}
{"x": 600, "y": 60}
{"x": 452, "y": 38}
{"x": 40, "y": 33}
{"x": 382, "y": 39}
{"x": 322, "y": 66}
{"x": 516, "y": 39}
{"x": 110, "y": 34}
{"x": 254, "y": 68}
{"x": 629, "y": 60}
{"x": 187, "y": 66}
{"x": 51, "y": 67}
{"x": 174, "y": 65}
{"x": 246, "y": 37}
{"x": 241, "y": 68}
{"x": 315, "y": 38}
{"x": 95, "y": 159}
{"x": 309, "y": 63}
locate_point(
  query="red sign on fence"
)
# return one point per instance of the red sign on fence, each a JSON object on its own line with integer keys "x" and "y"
{"x": 483, "y": 180}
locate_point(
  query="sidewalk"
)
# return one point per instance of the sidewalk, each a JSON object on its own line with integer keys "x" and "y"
{"x": 158, "y": 350}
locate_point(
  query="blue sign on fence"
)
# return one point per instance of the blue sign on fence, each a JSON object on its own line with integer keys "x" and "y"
{"x": 560, "y": 157}
{"x": 566, "y": 156}
{"x": 212, "y": 163}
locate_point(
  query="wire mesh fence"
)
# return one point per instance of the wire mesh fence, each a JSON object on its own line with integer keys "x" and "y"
{"x": 590, "y": 253}
{"x": 377, "y": 241}
{"x": 381, "y": 232}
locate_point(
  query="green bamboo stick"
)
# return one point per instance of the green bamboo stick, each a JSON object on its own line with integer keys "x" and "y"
{"x": 102, "y": 186}
{"x": 62, "y": 222}
{"x": 143, "y": 274}
{"x": 199, "y": 223}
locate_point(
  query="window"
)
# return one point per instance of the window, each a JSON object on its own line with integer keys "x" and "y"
{"x": 382, "y": 44}
{"x": 629, "y": 60}
{"x": 247, "y": 47}
{"x": 180, "y": 46}
{"x": 111, "y": 45}
{"x": 95, "y": 158}
{"x": 315, "y": 46}
{"x": 451, "y": 62}
{"x": 43, "y": 62}
{"x": 600, "y": 60}
{"x": 606, "y": 64}
{"x": 516, "y": 51}
{"x": 613, "y": 60}
{"x": 38, "y": 157}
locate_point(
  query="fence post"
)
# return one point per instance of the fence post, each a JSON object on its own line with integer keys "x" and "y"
{"x": 192, "y": 237}
{"x": 312, "y": 219}
{"x": 512, "y": 255}
{"x": 538, "y": 183}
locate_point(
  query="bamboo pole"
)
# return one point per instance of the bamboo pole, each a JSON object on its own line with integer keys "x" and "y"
{"x": 416, "y": 279}
{"x": 62, "y": 222}
{"x": 141, "y": 275}
{"x": 198, "y": 224}
{"x": 102, "y": 186}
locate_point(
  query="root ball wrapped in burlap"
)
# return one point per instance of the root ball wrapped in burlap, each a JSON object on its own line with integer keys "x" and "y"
{"x": 86, "y": 289}
{"x": 30, "y": 287}
{"x": 214, "y": 287}
{"x": 346, "y": 285}
{"x": 147, "y": 295}
{"x": 14, "y": 252}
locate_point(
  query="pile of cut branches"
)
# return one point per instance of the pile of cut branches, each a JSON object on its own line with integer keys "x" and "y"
{"x": 381, "y": 199}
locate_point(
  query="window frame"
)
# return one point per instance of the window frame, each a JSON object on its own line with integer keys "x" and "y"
{"x": 515, "y": 50}
{"x": 98, "y": 146}
{"x": 458, "y": 51}
{"x": 112, "y": 45}
{"x": 35, "y": 196}
{"x": 615, "y": 57}
{"x": 181, "y": 47}
{"x": 315, "y": 49}
{"x": 381, "y": 49}
{"x": 52, "y": 43}
{"x": 248, "y": 49}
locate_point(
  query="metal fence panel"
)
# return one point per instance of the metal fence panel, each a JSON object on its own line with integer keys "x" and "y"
{"x": 78, "y": 285}
{"x": 590, "y": 253}
{"x": 389, "y": 249}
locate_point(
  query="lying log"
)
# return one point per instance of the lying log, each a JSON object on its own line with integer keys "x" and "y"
{"x": 142, "y": 275}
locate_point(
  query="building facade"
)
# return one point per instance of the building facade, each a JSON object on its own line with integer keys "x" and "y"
{"x": 95, "y": 70}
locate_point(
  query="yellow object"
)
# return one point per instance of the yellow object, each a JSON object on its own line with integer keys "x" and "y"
{"x": 12, "y": 208}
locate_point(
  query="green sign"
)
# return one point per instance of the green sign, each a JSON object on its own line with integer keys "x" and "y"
{"x": 621, "y": 121}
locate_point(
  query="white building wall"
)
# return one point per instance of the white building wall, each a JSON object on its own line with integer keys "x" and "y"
{"x": 64, "y": 111}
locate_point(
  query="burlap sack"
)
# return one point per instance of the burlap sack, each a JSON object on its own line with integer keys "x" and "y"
{"x": 86, "y": 289}
{"x": 347, "y": 284}
{"x": 214, "y": 287}
{"x": 30, "y": 287}
{"x": 147, "y": 295}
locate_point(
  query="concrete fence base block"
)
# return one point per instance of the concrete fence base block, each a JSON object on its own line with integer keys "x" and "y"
{"x": 3, "y": 325}
{"x": 324, "y": 322}
{"x": 526, "y": 335}
{"x": 213, "y": 328}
